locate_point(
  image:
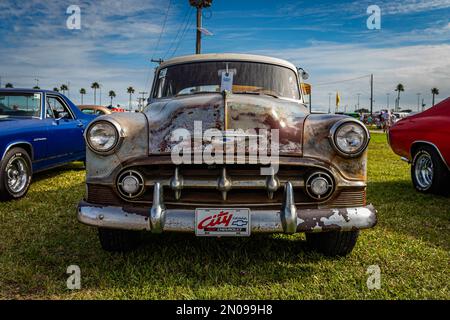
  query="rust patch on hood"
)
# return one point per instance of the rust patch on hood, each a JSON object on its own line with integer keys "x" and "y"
{"x": 242, "y": 111}
{"x": 166, "y": 116}
{"x": 246, "y": 111}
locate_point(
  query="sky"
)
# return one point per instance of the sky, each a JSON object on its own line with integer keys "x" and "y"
{"x": 329, "y": 39}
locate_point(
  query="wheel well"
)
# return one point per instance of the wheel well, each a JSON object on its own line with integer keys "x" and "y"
{"x": 25, "y": 146}
{"x": 416, "y": 145}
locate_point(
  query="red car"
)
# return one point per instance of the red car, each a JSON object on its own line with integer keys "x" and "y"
{"x": 424, "y": 141}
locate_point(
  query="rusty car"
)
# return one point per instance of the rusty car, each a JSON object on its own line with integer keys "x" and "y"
{"x": 315, "y": 182}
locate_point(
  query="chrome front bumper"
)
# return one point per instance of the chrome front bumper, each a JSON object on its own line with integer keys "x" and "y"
{"x": 288, "y": 219}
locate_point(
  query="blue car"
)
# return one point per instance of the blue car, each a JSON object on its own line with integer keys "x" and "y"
{"x": 39, "y": 130}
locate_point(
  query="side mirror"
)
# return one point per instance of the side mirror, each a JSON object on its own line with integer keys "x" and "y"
{"x": 63, "y": 115}
{"x": 303, "y": 73}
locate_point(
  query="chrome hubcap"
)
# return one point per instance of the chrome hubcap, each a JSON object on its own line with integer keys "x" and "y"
{"x": 424, "y": 171}
{"x": 16, "y": 173}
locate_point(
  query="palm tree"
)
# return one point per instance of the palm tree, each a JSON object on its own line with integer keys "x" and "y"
{"x": 82, "y": 92}
{"x": 56, "y": 89}
{"x": 9, "y": 85}
{"x": 434, "y": 92}
{"x": 399, "y": 89}
{"x": 95, "y": 86}
{"x": 112, "y": 95}
{"x": 130, "y": 90}
{"x": 64, "y": 88}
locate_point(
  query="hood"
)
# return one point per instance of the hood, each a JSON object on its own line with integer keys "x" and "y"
{"x": 226, "y": 112}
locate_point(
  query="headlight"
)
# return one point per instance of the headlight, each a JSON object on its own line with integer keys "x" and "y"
{"x": 349, "y": 137}
{"x": 102, "y": 136}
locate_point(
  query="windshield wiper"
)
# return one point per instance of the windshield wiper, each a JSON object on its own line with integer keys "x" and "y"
{"x": 257, "y": 93}
{"x": 196, "y": 92}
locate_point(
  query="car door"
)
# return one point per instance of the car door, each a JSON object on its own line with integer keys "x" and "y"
{"x": 65, "y": 132}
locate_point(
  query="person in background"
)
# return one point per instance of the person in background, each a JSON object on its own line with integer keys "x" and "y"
{"x": 386, "y": 118}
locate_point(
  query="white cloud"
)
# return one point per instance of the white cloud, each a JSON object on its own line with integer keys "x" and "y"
{"x": 118, "y": 38}
{"x": 417, "y": 67}
{"x": 413, "y": 6}
{"x": 113, "y": 46}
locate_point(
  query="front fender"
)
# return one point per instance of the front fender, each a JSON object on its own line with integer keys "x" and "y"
{"x": 134, "y": 128}
{"x": 316, "y": 144}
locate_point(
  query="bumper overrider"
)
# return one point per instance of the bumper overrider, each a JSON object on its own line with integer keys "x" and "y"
{"x": 288, "y": 219}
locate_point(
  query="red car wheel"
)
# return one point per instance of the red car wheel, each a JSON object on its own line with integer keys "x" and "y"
{"x": 429, "y": 173}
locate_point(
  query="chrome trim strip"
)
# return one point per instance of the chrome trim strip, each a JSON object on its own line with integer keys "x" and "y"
{"x": 405, "y": 159}
{"x": 10, "y": 146}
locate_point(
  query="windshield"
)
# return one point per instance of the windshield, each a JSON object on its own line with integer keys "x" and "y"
{"x": 216, "y": 76}
{"x": 20, "y": 104}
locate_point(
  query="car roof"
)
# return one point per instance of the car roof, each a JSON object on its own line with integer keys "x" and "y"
{"x": 27, "y": 90}
{"x": 227, "y": 57}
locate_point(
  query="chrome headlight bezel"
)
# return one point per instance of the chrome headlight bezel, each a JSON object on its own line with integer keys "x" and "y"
{"x": 335, "y": 129}
{"x": 118, "y": 132}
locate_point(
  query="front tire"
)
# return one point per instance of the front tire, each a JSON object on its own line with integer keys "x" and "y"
{"x": 333, "y": 243}
{"x": 15, "y": 174}
{"x": 115, "y": 240}
{"x": 428, "y": 172}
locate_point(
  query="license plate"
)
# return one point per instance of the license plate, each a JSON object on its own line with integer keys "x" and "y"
{"x": 222, "y": 222}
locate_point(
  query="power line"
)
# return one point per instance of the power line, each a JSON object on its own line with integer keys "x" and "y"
{"x": 162, "y": 29}
{"x": 187, "y": 26}
{"x": 159, "y": 40}
{"x": 340, "y": 81}
{"x": 185, "y": 21}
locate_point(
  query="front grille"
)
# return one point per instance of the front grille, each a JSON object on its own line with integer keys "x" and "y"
{"x": 200, "y": 188}
{"x": 355, "y": 197}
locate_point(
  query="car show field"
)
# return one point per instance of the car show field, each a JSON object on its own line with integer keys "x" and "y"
{"x": 41, "y": 238}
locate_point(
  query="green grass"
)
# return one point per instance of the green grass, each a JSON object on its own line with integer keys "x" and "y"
{"x": 40, "y": 237}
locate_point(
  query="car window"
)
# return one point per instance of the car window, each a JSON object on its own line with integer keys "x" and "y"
{"x": 88, "y": 111}
{"x": 20, "y": 104}
{"x": 57, "y": 109}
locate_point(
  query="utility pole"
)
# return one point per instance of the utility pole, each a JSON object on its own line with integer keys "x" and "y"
{"x": 387, "y": 105}
{"x": 141, "y": 100}
{"x": 359, "y": 94}
{"x": 371, "y": 94}
{"x": 199, "y": 5}
{"x": 418, "y": 102}
{"x": 329, "y": 102}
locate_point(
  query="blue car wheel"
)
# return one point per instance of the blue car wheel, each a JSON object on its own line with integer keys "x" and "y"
{"x": 15, "y": 174}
